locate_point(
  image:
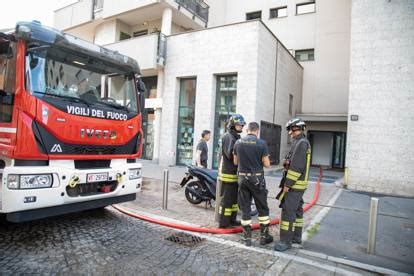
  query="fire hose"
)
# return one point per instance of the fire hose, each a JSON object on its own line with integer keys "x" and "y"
{"x": 216, "y": 230}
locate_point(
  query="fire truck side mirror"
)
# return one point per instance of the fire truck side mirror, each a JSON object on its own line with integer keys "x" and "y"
{"x": 141, "y": 92}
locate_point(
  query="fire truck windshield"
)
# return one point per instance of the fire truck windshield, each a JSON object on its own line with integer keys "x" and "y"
{"x": 56, "y": 76}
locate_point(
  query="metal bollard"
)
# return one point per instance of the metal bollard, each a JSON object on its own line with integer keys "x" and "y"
{"x": 165, "y": 191}
{"x": 372, "y": 231}
{"x": 218, "y": 201}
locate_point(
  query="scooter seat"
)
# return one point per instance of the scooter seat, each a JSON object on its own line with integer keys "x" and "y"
{"x": 206, "y": 172}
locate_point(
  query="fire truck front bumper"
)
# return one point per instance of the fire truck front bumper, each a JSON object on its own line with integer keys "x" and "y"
{"x": 33, "y": 192}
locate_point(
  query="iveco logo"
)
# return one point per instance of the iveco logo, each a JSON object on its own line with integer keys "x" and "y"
{"x": 97, "y": 133}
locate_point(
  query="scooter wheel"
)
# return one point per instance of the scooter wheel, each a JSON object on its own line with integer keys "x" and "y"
{"x": 192, "y": 197}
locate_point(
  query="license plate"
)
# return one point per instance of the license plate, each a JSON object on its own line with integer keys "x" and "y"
{"x": 96, "y": 177}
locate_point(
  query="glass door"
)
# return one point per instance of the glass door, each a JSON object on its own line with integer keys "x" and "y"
{"x": 148, "y": 119}
{"x": 185, "y": 132}
{"x": 338, "y": 152}
{"x": 225, "y": 107}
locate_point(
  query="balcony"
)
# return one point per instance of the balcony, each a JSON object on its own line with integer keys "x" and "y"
{"x": 190, "y": 14}
{"x": 149, "y": 51}
{"x": 196, "y": 7}
{"x": 73, "y": 15}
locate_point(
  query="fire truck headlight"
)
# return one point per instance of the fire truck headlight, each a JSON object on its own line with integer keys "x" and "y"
{"x": 13, "y": 181}
{"x": 36, "y": 181}
{"x": 134, "y": 173}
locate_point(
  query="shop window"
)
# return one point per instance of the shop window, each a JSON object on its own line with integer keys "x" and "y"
{"x": 186, "y": 112}
{"x": 226, "y": 96}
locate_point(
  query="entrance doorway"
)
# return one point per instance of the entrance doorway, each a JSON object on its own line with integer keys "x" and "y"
{"x": 148, "y": 118}
{"x": 328, "y": 148}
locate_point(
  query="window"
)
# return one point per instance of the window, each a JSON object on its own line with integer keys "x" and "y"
{"x": 290, "y": 104}
{"x": 7, "y": 83}
{"x": 140, "y": 33}
{"x": 254, "y": 15}
{"x": 186, "y": 111}
{"x": 305, "y": 8}
{"x": 226, "y": 96}
{"x": 278, "y": 12}
{"x": 305, "y": 55}
{"x": 123, "y": 36}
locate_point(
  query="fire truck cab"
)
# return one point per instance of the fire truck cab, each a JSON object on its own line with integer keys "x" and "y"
{"x": 70, "y": 124}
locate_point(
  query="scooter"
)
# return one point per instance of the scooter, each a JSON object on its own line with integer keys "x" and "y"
{"x": 203, "y": 186}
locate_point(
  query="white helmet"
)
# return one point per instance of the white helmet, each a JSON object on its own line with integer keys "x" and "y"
{"x": 295, "y": 122}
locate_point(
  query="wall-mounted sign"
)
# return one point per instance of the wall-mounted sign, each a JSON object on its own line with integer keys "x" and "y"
{"x": 354, "y": 117}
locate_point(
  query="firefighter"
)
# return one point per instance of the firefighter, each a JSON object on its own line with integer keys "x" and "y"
{"x": 251, "y": 155}
{"x": 228, "y": 173}
{"x": 295, "y": 183}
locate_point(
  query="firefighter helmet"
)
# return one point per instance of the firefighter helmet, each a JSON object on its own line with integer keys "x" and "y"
{"x": 295, "y": 122}
{"x": 236, "y": 119}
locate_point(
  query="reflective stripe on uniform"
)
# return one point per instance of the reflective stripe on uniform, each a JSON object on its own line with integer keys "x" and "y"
{"x": 284, "y": 225}
{"x": 298, "y": 222}
{"x": 300, "y": 185}
{"x": 303, "y": 184}
{"x": 246, "y": 222}
{"x": 235, "y": 207}
{"x": 228, "y": 177}
{"x": 292, "y": 175}
{"x": 228, "y": 212}
{"x": 264, "y": 220}
{"x": 308, "y": 157}
{"x": 293, "y": 178}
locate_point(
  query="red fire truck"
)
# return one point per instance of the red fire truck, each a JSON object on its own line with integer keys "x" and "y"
{"x": 70, "y": 124}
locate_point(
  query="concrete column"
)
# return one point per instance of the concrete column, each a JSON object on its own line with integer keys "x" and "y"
{"x": 166, "y": 21}
{"x": 166, "y": 30}
{"x": 158, "y": 116}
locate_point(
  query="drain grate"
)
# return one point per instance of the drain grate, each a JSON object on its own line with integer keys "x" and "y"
{"x": 184, "y": 239}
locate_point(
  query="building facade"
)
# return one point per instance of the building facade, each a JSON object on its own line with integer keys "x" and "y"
{"x": 197, "y": 76}
{"x": 381, "y": 97}
{"x": 270, "y": 60}
{"x": 318, "y": 34}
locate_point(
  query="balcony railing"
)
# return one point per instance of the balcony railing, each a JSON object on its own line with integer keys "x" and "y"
{"x": 197, "y": 7}
{"x": 162, "y": 49}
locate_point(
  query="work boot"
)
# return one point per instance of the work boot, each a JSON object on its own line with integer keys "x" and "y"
{"x": 282, "y": 246}
{"x": 247, "y": 235}
{"x": 297, "y": 240}
{"x": 265, "y": 237}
